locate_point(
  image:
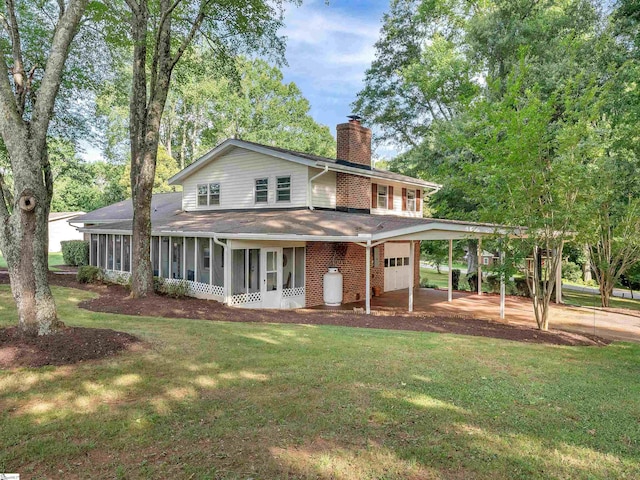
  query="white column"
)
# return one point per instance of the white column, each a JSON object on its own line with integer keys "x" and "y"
{"x": 113, "y": 252}
{"x": 227, "y": 271}
{"x": 502, "y": 287}
{"x": 211, "y": 260}
{"x": 170, "y": 256}
{"x": 411, "y": 274}
{"x": 122, "y": 253}
{"x": 450, "y": 290}
{"x": 160, "y": 256}
{"x": 90, "y": 248}
{"x": 184, "y": 258}
{"x": 479, "y": 266}
{"x": 367, "y": 269}
{"x": 196, "y": 244}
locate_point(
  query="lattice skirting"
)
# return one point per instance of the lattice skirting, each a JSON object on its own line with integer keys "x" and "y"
{"x": 292, "y": 292}
{"x": 246, "y": 298}
{"x": 198, "y": 289}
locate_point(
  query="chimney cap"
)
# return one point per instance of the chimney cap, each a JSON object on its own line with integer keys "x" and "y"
{"x": 354, "y": 118}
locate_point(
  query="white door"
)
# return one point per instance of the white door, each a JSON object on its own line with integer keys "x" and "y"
{"x": 396, "y": 266}
{"x": 271, "y": 269}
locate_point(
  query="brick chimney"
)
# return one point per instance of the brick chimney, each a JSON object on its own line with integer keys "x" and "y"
{"x": 353, "y": 192}
{"x": 354, "y": 142}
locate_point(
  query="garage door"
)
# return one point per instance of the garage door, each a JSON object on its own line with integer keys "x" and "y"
{"x": 396, "y": 266}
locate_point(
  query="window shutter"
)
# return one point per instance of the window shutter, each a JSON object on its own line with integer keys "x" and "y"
{"x": 390, "y": 198}
{"x": 404, "y": 199}
{"x": 374, "y": 195}
{"x": 418, "y": 195}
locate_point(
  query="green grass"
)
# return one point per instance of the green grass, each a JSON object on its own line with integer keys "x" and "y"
{"x": 55, "y": 259}
{"x": 585, "y": 299}
{"x": 233, "y": 401}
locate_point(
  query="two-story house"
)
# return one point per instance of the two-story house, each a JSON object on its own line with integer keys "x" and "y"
{"x": 259, "y": 226}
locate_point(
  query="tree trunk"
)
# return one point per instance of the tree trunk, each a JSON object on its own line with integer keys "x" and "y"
{"x": 142, "y": 271}
{"x": 24, "y": 244}
{"x": 586, "y": 266}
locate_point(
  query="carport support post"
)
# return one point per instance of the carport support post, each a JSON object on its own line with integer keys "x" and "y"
{"x": 450, "y": 289}
{"x": 502, "y": 289}
{"x": 367, "y": 261}
{"x": 411, "y": 262}
{"x": 479, "y": 266}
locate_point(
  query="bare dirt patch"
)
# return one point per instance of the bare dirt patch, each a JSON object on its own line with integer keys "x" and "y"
{"x": 69, "y": 346}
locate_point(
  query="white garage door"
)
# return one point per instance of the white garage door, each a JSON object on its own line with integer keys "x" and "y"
{"x": 396, "y": 266}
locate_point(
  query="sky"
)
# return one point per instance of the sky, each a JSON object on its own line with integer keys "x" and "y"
{"x": 329, "y": 47}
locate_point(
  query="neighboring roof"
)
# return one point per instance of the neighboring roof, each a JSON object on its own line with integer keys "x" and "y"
{"x": 302, "y": 224}
{"x": 309, "y": 160}
{"x": 162, "y": 205}
{"x": 53, "y": 216}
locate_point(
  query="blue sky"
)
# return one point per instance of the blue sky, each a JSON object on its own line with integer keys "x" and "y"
{"x": 329, "y": 47}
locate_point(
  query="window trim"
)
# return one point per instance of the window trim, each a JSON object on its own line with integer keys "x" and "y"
{"x": 385, "y": 196}
{"x": 255, "y": 190}
{"x": 411, "y": 208}
{"x": 208, "y": 194}
{"x": 278, "y": 177}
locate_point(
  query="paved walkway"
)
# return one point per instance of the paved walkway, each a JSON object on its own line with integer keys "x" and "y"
{"x": 518, "y": 310}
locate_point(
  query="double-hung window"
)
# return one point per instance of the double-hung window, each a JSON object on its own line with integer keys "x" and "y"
{"x": 283, "y": 189}
{"x": 411, "y": 200}
{"x": 382, "y": 196}
{"x": 262, "y": 190}
{"x": 208, "y": 194}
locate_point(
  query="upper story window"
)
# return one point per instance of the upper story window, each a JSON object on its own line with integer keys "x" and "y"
{"x": 262, "y": 190}
{"x": 208, "y": 194}
{"x": 382, "y": 196}
{"x": 283, "y": 189}
{"x": 411, "y": 200}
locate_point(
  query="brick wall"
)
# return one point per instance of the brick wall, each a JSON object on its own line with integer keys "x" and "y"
{"x": 353, "y": 192}
{"x": 353, "y": 143}
{"x": 350, "y": 260}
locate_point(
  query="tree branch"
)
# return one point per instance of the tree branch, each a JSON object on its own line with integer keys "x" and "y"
{"x": 4, "y": 210}
{"x": 17, "y": 70}
{"x": 192, "y": 33}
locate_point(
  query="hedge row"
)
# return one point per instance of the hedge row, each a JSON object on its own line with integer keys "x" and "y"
{"x": 75, "y": 252}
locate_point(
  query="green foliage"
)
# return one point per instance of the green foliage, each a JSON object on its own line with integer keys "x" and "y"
{"x": 571, "y": 271}
{"x": 521, "y": 287}
{"x": 89, "y": 274}
{"x": 179, "y": 289}
{"x": 493, "y": 283}
{"x": 75, "y": 252}
{"x": 166, "y": 167}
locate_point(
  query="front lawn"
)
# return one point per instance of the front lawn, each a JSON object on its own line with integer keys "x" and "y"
{"x": 586, "y": 299}
{"x": 55, "y": 259}
{"x": 237, "y": 401}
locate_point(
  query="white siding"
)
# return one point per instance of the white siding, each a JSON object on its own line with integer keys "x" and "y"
{"x": 237, "y": 171}
{"x": 397, "y": 201}
{"x": 60, "y": 230}
{"x": 323, "y": 189}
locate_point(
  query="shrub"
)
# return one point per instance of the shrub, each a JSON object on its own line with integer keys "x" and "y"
{"x": 75, "y": 252}
{"x": 521, "y": 287}
{"x": 89, "y": 274}
{"x": 158, "y": 283}
{"x": 455, "y": 278}
{"x": 472, "y": 278}
{"x": 178, "y": 289}
{"x": 571, "y": 271}
{"x": 493, "y": 283}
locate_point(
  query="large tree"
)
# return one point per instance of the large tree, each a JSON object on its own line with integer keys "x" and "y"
{"x": 28, "y": 92}
{"x": 161, "y": 31}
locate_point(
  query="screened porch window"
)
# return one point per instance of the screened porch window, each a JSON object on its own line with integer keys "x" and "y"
{"x": 262, "y": 190}
{"x": 164, "y": 257}
{"x": 176, "y": 257}
{"x": 109, "y": 252}
{"x": 190, "y": 261}
{"x": 155, "y": 255}
{"x": 94, "y": 250}
{"x": 246, "y": 271}
{"x": 118, "y": 253}
{"x": 283, "y": 189}
{"x": 292, "y": 267}
{"x": 126, "y": 253}
{"x": 382, "y": 196}
{"x": 204, "y": 260}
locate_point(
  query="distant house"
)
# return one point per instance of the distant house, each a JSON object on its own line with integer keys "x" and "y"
{"x": 60, "y": 229}
{"x": 260, "y": 226}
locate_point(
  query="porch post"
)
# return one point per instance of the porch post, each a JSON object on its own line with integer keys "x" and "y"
{"x": 411, "y": 275}
{"x": 479, "y": 266}
{"x": 502, "y": 288}
{"x": 159, "y": 255}
{"x": 211, "y": 264}
{"x": 367, "y": 261}
{"x": 170, "y": 256}
{"x": 227, "y": 271}
{"x": 184, "y": 258}
{"x": 450, "y": 292}
{"x": 196, "y": 244}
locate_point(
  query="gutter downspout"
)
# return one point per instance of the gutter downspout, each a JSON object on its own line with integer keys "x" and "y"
{"x": 309, "y": 190}
{"x": 227, "y": 270}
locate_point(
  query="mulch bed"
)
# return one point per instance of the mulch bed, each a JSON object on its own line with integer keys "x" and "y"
{"x": 69, "y": 346}
{"x": 114, "y": 299}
